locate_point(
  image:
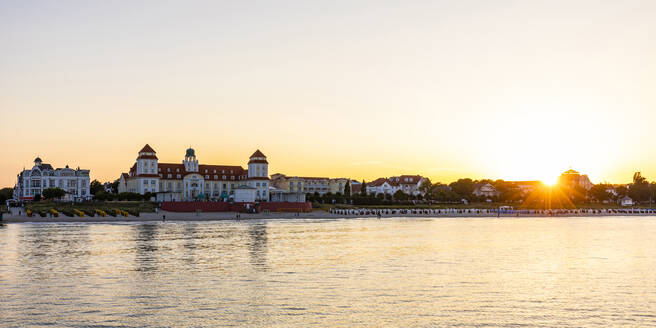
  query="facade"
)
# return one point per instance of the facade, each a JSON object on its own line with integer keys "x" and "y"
{"x": 308, "y": 185}
{"x": 409, "y": 184}
{"x": 190, "y": 180}
{"x": 30, "y": 183}
{"x": 485, "y": 190}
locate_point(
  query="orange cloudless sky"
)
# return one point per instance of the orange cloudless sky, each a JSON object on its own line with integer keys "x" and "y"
{"x": 361, "y": 89}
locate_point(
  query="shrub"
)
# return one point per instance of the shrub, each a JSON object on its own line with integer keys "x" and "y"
{"x": 78, "y": 212}
{"x": 54, "y": 212}
{"x": 101, "y": 213}
{"x": 68, "y": 213}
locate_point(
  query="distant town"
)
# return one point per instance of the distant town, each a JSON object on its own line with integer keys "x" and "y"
{"x": 147, "y": 179}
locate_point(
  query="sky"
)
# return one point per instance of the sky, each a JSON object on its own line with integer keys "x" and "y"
{"x": 510, "y": 90}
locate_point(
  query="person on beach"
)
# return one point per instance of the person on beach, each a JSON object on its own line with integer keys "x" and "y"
{"x": 163, "y": 218}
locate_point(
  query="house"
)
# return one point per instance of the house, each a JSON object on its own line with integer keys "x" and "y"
{"x": 32, "y": 182}
{"x": 626, "y": 201}
{"x": 485, "y": 190}
{"x": 308, "y": 185}
{"x": 572, "y": 178}
{"x": 409, "y": 184}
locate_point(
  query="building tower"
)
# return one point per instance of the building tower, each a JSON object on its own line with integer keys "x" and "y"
{"x": 190, "y": 162}
{"x": 258, "y": 175}
{"x": 147, "y": 161}
{"x": 258, "y": 167}
{"x": 38, "y": 161}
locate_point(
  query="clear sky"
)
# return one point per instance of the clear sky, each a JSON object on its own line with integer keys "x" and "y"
{"x": 360, "y": 89}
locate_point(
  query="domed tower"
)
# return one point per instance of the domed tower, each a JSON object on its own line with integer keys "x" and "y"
{"x": 258, "y": 167}
{"x": 190, "y": 162}
{"x": 147, "y": 161}
{"x": 37, "y": 161}
{"x": 258, "y": 175}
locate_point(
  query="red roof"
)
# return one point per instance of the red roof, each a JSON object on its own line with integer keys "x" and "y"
{"x": 257, "y": 153}
{"x": 147, "y": 149}
{"x": 231, "y": 172}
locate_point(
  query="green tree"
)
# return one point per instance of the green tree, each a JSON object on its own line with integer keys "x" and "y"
{"x": 463, "y": 188}
{"x": 639, "y": 190}
{"x": 95, "y": 186}
{"x": 363, "y": 190}
{"x": 600, "y": 193}
{"x": 53, "y": 193}
{"x": 426, "y": 189}
{"x": 37, "y": 197}
{"x": 5, "y": 194}
{"x": 399, "y": 195}
{"x": 347, "y": 189}
{"x": 115, "y": 186}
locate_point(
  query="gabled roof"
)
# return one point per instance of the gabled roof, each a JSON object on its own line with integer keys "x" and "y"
{"x": 147, "y": 149}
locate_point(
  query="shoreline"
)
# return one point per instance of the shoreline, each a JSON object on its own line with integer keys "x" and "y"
{"x": 319, "y": 215}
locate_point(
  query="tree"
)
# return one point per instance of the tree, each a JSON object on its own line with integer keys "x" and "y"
{"x": 95, "y": 186}
{"x": 347, "y": 189}
{"x": 37, "y": 197}
{"x": 399, "y": 195}
{"x": 463, "y": 188}
{"x": 53, "y": 193}
{"x": 600, "y": 193}
{"x": 363, "y": 190}
{"x": 5, "y": 194}
{"x": 115, "y": 186}
{"x": 639, "y": 190}
{"x": 426, "y": 189}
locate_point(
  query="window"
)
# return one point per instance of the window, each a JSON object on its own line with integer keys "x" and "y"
{"x": 206, "y": 176}
{"x": 232, "y": 177}
{"x": 168, "y": 169}
{"x": 177, "y": 170}
{"x": 177, "y": 176}
{"x": 224, "y": 177}
{"x": 257, "y": 184}
{"x": 216, "y": 177}
{"x": 205, "y": 170}
{"x": 214, "y": 171}
{"x": 169, "y": 176}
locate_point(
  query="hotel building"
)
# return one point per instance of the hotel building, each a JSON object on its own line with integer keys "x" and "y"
{"x": 30, "y": 183}
{"x": 190, "y": 180}
{"x": 308, "y": 185}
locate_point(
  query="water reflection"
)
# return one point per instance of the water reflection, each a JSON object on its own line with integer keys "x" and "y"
{"x": 595, "y": 272}
{"x": 146, "y": 247}
{"x": 257, "y": 246}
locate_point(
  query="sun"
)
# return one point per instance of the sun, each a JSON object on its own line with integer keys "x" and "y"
{"x": 549, "y": 180}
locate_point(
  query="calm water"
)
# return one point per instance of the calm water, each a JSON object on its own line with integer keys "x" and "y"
{"x": 595, "y": 272}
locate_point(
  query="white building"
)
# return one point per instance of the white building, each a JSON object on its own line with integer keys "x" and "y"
{"x": 626, "y": 201}
{"x": 42, "y": 176}
{"x": 409, "y": 184}
{"x": 485, "y": 190}
{"x": 190, "y": 180}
